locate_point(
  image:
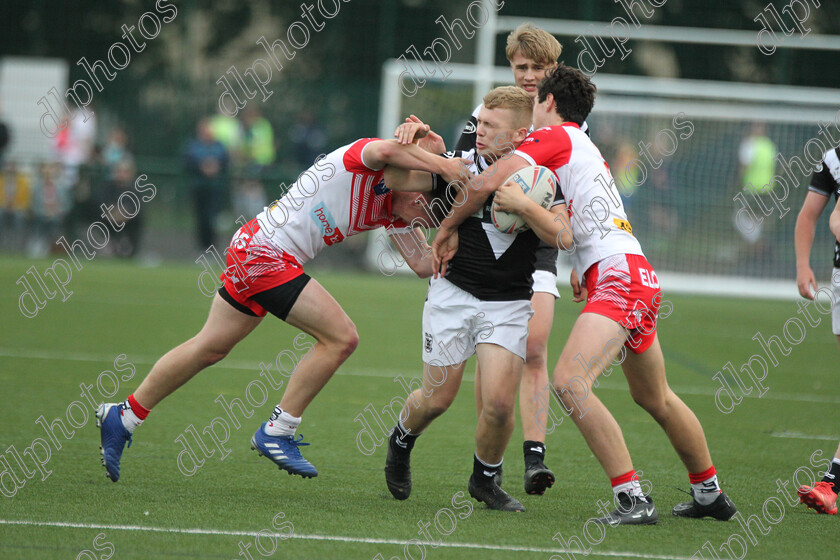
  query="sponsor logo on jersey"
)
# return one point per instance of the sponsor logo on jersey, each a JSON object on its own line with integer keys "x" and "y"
{"x": 380, "y": 188}
{"x": 470, "y": 128}
{"x": 623, "y": 225}
{"x": 648, "y": 278}
{"x": 321, "y": 216}
{"x": 427, "y": 344}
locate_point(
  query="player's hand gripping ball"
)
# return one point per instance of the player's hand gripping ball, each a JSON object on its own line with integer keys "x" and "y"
{"x": 538, "y": 184}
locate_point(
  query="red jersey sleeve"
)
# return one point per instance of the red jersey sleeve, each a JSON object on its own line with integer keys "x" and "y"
{"x": 353, "y": 157}
{"x": 549, "y": 147}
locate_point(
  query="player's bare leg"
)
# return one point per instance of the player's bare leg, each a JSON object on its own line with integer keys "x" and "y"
{"x": 645, "y": 374}
{"x": 422, "y": 406}
{"x": 318, "y": 314}
{"x": 501, "y": 372}
{"x": 572, "y": 383}
{"x": 597, "y": 340}
{"x": 535, "y": 380}
{"x": 223, "y": 329}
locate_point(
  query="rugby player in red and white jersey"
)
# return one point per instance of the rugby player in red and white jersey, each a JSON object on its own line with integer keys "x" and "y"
{"x": 341, "y": 195}
{"x": 618, "y": 322}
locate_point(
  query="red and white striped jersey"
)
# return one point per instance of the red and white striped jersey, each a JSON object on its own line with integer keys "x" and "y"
{"x": 337, "y": 197}
{"x": 599, "y": 223}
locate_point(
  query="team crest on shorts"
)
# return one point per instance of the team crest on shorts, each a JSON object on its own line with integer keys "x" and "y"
{"x": 427, "y": 345}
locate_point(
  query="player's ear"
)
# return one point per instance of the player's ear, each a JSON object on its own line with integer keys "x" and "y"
{"x": 519, "y": 135}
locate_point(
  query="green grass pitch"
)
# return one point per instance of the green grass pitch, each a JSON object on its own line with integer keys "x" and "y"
{"x": 155, "y": 511}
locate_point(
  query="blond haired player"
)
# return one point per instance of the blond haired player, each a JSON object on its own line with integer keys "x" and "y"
{"x": 531, "y": 52}
{"x": 481, "y": 307}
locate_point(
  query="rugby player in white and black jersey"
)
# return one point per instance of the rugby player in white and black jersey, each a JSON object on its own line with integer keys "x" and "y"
{"x": 623, "y": 299}
{"x": 481, "y": 307}
{"x": 825, "y": 183}
{"x": 531, "y": 52}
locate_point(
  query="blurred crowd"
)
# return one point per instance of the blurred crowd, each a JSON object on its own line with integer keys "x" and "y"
{"x": 228, "y": 166}
{"x": 61, "y": 195}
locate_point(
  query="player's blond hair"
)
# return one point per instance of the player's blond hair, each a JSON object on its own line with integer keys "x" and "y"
{"x": 534, "y": 43}
{"x": 515, "y": 99}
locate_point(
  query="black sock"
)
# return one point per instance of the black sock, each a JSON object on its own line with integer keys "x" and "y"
{"x": 484, "y": 473}
{"x": 534, "y": 451}
{"x": 403, "y": 438}
{"x": 833, "y": 475}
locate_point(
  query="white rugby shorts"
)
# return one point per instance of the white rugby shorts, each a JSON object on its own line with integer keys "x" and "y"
{"x": 455, "y": 321}
{"x": 544, "y": 281}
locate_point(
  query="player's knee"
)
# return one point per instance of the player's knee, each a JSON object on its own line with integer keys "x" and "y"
{"x": 655, "y": 405}
{"x": 347, "y": 341}
{"x": 210, "y": 356}
{"x": 498, "y": 410}
{"x": 569, "y": 393}
{"x": 437, "y": 407}
{"x": 536, "y": 356}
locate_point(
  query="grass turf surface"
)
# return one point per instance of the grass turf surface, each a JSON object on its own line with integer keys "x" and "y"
{"x": 120, "y": 308}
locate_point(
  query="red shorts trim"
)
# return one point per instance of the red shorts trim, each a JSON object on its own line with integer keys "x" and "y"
{"x": 253, "y": 268}
{"x": 625, "y": 289}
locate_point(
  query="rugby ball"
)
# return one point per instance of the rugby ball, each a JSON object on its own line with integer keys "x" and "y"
{"x": 539, "y": 184}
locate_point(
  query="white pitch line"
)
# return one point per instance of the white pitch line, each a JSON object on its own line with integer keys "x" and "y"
{"x": 334, "y": 538}
{"x": 798, "y": 435}
{"x": 248, "y": 365}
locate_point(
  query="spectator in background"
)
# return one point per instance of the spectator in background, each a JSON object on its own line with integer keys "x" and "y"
{"x": 228, "y": 131}
{"x": 258, "y": 145}
{"x": 115, "y": 151}
{"x": 126, "y": 241}
{"x": 5, "y": 136}
{"x": 308, "y": 139}
{"x": 258, "y": 155}
{"x": 757, "y": 166}
{"x": 74, "y": 145}
{"x": 626, "y": 176}
{"x": 16, "y": 192}
{"x": 206, "y": 161}
{"x": 50, "y": 204}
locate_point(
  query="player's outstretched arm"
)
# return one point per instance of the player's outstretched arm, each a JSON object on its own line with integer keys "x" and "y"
{"x": 474, "y": 190}
{"x": 414, "y": 249}
{"x": 834, "y": 221}
{"x": 407, "y": 180}
{"x": 552, "y": 226}
{"x": 803, "y": 240}
{"x": 379, "y": 153}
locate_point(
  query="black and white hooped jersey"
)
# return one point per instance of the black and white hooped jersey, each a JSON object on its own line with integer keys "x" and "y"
{"x": 826, "y": 181}
{"x": 489, "y": 264}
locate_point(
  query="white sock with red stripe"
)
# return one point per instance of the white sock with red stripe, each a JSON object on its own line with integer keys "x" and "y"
{"x": 132, "y": 413}
{"x": 628, "y": 483}
{"x": 281, "y": 423}
{"x": 705, "y": 486}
